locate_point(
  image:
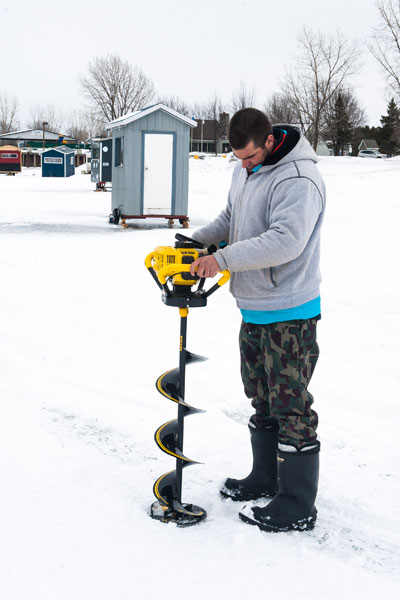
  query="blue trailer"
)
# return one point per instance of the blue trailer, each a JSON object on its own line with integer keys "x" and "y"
{"x": 58, "y": 162}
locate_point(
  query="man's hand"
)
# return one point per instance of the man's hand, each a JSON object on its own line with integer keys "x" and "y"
{"x": 207, "y": 266}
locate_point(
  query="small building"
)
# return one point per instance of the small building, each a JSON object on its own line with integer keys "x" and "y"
{"x": 368, "y": 145}
{"x": 211, "y": 136}
{"x": 150, "y": 173}
{"x": 58, "y": 162}
{"x": 36, "y": 138}
{"x": 101, "y": 163}
{"x": 10, "y": 159}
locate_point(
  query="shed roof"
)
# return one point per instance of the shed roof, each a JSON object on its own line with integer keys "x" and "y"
{"x": 98, "y": 139}
{"x": 8, "y": 148}
{"x": 139, "y": 114}
{"x": 61, "y": 149}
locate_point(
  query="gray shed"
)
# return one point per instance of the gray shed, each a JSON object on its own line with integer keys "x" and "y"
{"x": 150, "y": 171}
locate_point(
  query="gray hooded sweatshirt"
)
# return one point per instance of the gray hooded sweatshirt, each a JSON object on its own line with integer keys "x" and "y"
{"x": 272, "y": 225}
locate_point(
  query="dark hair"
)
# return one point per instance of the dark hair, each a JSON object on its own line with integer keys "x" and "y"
{"x": 249, "y": 124}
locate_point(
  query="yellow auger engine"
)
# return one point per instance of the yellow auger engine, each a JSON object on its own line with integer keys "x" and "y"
{"x": 169, "y": 268}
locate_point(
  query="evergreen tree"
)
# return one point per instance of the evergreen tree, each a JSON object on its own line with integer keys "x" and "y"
{"x": 390, "y": 130}
{"x": 342, "y": 116}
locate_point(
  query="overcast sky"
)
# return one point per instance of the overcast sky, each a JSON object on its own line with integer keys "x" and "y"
{"x": 189, "y": 49}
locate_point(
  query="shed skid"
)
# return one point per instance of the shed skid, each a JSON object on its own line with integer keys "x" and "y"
{"x": 183, "y": 219}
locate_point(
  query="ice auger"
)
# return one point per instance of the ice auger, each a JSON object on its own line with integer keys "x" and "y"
{"x": 169, "y": 267}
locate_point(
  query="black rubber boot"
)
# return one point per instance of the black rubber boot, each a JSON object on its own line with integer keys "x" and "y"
{"x": 262, "y": 481}
{"x": 293, "y": 506}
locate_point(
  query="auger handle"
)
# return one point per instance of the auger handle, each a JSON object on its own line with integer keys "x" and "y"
{"x": 224, "y": 279}
{"x": 170, "y": 270}
{"x": 148, "y": 263}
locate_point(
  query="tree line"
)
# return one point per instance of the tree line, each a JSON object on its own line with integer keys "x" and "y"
{"x": 316, "y": 93}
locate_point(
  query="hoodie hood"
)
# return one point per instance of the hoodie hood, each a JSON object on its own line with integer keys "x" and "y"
{"x": 295, "y": 147}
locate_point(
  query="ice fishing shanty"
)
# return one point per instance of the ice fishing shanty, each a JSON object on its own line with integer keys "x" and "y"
{"x": 58, "y": 162}
{"x": 101, "y": 162}
{"x": 150, "y": 174}
{"x": 10, "y": 160}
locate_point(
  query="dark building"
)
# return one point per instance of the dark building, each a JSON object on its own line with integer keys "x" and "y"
{"x": 211, "y": 136}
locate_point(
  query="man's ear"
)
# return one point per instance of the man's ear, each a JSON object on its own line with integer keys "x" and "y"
{"x": 269, "y": 141}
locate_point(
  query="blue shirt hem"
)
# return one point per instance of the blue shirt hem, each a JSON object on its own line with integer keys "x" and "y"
{"x": 308, "y": 310}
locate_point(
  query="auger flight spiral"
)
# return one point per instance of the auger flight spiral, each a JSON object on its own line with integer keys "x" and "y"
{"x": 169, "y": 267}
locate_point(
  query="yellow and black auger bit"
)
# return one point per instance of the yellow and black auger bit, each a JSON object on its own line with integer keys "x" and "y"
{"x": 169, "y": 267}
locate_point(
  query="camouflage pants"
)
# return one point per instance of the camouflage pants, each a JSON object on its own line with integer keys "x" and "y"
{"x": 277, "y": 363}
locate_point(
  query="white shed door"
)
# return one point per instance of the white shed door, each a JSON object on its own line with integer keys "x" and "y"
{"x": 158, "y": 165}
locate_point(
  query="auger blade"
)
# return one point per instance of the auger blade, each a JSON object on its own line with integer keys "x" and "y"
{"x": 164, "y": 489}
{"x": 168, "y": 385}
{"x": 166, "y": 438}
{"x": 167, "y": 508}
{"x": 192, "y": 358}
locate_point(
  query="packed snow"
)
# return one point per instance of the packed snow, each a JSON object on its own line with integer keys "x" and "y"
{"x": 84, "y": 336}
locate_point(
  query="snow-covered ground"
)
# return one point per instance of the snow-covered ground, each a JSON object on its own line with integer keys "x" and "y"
{"x": 83, "y": 337}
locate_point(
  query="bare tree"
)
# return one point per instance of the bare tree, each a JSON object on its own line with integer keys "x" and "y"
{"x": 323, "y": 66}
{"x": 385, "y": 43}
{"x": 40, "y": 114}
{"x": 175, "y": 103}
{"x": 200, "y": 110}
{"x": 115, "y": 87}
{"x": 242, "y": 97}
{"x": 215, "y": 108}
{"x": 85, "y": 125}
{"x": 279, "y": 109}
{"x": 8, "y": 113}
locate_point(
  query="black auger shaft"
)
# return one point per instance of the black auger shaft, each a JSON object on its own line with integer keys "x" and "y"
{"x": 169, "y": 438}
{"x": 181, "y": 409}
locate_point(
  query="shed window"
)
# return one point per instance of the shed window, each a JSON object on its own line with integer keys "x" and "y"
{"x": 53, "y": 160}
{"x": 8, "y": 155}
{"x": 119, "y": 151}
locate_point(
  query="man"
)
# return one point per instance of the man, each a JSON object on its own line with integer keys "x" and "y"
{"x": 271, "y": 226}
